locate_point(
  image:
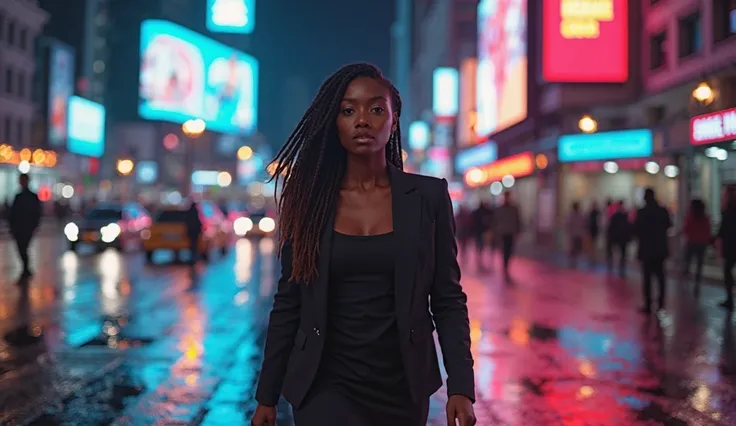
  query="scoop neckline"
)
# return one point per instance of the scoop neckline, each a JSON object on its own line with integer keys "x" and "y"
{"x": 385, "y": 234}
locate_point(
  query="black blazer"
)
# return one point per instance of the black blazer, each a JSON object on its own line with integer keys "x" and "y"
{"x": 428, "y": 293}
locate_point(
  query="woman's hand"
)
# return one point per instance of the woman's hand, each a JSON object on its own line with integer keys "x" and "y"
{"x": 459, "y": 407}
{"x": 265, "y": 415}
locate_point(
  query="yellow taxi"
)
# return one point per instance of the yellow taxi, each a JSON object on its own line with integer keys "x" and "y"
{"x": 169, "y": 231}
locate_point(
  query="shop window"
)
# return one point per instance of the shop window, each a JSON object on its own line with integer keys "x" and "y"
{"x": 691, "y": 38}
{"x": 658, "y": 50}
{"x": 724, "y": 19}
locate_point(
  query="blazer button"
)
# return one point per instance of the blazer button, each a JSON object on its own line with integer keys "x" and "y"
{"x": 316, "y": 331}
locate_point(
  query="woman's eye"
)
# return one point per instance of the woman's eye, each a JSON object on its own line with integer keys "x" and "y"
{"x": 378, "y": 110}
{"x": 347, "y": 111}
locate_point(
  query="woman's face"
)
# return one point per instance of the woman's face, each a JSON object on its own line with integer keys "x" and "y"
{"x": 366, "y": 119}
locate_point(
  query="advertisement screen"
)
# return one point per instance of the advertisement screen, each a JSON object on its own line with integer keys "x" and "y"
{"x": 637, "y": 143}
{"x": 502, "y": 65}
{"x": 61, "y": 87}
{"x": 585, "y": 41}
{"x": 476, "y": 156}
{"x": 185, "y": 75}
{"x": 467, "y": 117}
{"x": 445, "y": 93}
{"x": 86, "y": 127}
{"x": 231, "y": 16}
{"x": 713, "y": 128}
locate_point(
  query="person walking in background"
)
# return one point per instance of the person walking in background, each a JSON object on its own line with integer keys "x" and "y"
{"x": 194, "y": 232}
{"x": 576, "y": 232}
{"x": 594, "y": 218}
{"x": 507, "y": 220}
{"x": 23, "y": 220}
{"x": 464, "y": 222}
{"x": 697, "y": 234}
{"x": 727, "y": 240}
{"x": 618, "y": 236}
{"x": 482, "y": 227}
{"x": 650, "y": 228}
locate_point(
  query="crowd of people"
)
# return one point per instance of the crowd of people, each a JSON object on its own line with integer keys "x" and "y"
{"x": 617, "y": 227}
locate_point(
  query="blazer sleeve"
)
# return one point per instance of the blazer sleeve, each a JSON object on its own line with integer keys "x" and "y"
{"x": 449, "y": 303}
{"x": 282, "y": 327}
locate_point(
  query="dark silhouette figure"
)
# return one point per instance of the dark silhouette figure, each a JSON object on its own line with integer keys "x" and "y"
{"x": 650, "y": 227}
{"x": 194, "y": 231}
{"x": 618, "y": 237}
{"x": 482, "y": 220}
{"x": 698, "y": 236}
{"x": 727, "y": 237}
{"x": 23, "y": 220}
{"x": 594, "y": 227}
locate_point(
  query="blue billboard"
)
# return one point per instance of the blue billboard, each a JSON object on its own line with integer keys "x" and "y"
{"x": 185, "y": 75}
{"x": 477, "y": 156}
{"x": 86, "y": 127}
{"x": 231, "y": 16}
{"x": 621, "y": 144}
{"x": 61, "y": 87}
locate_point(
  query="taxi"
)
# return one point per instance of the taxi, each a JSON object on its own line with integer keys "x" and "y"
{"x": 169, "y": 231}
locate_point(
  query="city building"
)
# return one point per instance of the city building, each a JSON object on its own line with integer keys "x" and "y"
{"x": 21, "y": 22}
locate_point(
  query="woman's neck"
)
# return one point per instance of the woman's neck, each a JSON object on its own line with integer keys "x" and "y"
{"x": 366, "y": 171}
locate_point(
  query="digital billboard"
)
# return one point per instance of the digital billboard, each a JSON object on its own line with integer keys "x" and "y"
{"x": 185, "y": 75}
{"x": 502, "y": 73}
{"x": 585, "y": 41}
{"x": 445, "y": 85}
{"x": 636, "y": 143}
{"x": 231, "y": 16}
{"x": 476, "y": 156}
{"x": 86, "y": 127}
{"x": 61, "y": 87}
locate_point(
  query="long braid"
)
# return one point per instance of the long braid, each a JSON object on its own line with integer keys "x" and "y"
{"x": 311, "y": 166}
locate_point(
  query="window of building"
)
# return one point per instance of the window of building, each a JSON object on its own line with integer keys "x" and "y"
{"x": 9, "y": 130}
{"x": 23, "y": 38}
{"x": 20, "y": 85}
{"x": 20, "y": 132}
{"x": 11, "y": 33}
{"x": 9, "y": 80}
{"x": 2, "y": 26}
{"x": 658, "y": 50}
{"x": 691, "y": 38}
{"x": 724, "y": 19}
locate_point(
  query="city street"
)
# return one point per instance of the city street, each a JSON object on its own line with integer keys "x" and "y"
{"x": 107, "y": 339}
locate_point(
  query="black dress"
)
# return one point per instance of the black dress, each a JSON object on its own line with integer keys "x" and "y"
{"x": 361, "y": 379}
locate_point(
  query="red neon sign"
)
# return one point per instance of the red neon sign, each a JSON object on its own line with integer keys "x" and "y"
{"x": 714, "y": 127}
{"x": 585, "y": 41}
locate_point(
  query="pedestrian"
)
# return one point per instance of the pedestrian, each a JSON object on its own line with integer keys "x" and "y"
{"x": 651, "y": 226}
{"x": 697, "y": 234}
{"x": 362, "y": 247}
{"x": 23, "y": 220}
{"x": 464, "y": 221}
{"x": 727, "y": 240}
{"x": 194, "y": 232}
{"x": 594, "y": 226}
{"x": 507, "y": 221}
{"x": 482, "y": 231}
{"x": 576, "y": 233}
{"x": 618, "y": 237}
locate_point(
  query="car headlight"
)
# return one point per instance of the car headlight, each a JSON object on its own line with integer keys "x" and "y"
{"x": 110, "y": 232}
{"x": 267, "y": 224}
{"x": 71, "y": 231}
{"x": 242, "y": 226}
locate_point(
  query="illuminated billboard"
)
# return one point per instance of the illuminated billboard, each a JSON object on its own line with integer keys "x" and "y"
{"x": 518, "y": 166}
{"x": 61, "y": 87}
{"x": 713, "y": 127}
{"x": 467, "y": 116}
{"x": 445, "y": 93}
{"x": 476, "y": 156}
{"x": 585, "y": 41}
{"x": 636, "y": 143}
{"x": 186, "y": 75}
{"x": 501, "y": 87}
{"x": 231, "y": 16}
{"x": 86, "y": 127}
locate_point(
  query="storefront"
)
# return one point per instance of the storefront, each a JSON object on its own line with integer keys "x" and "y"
{"x": 38, "y": 164}
{"x": 713, "y": 164}
{"x": 616, "y": 165}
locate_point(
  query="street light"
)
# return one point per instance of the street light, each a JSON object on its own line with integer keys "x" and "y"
{"x": 194, "y": 127}
{"x": 703, "y": 93}
{"x": 587, "y": 124}
{"x": 245, "y": 153}
{"x": 125, "y": 166}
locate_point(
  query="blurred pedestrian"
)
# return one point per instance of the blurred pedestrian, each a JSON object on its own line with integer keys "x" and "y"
{"x": 363, "y": 245}
{"x": 727, "y": 242}
{"x": 465, "y": 231}
{"x": 594, "y": 219}
{"x": 23, "y": 220}
{"x": 194, "y": 232}
{"x": 507, "y": 221}
{"x": 618, "y": 237}
{"x": 697, "y": 234}
{"x": 483, "y": 233}
{"x": 651, "y": 226}
{"x": 576, "y": 232}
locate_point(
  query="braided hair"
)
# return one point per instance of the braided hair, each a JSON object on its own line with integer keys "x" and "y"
{"x": 311, "y": 166}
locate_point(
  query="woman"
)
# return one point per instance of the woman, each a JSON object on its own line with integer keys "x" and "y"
{"x": 697, "y": 236}
{"x": 363, "y": 247}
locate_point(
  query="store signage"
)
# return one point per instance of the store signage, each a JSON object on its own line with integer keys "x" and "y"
{"x": 519, "y": 165}
{"x": 712, "y": 128}
{"x": 636, "y": 143}
{"x": 476, "y": 156}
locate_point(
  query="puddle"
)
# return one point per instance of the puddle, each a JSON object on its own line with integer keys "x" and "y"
{"x": 113, "y": 335}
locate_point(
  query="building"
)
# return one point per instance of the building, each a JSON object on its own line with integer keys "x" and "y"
{"x": 21, "y": 22}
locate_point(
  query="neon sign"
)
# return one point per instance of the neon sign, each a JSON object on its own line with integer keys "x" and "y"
{"x": 582, "y": 19}
{"x": 636, "y": 143}
{"x": 715, "y": 127}
{"x": 519, "y": 165}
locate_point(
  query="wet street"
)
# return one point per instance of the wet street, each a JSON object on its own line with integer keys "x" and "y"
{"x": 106, "y": 339}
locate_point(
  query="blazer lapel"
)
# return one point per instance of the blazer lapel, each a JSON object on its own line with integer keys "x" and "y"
{"x": 406, "y": 209}
{"x": 321, "y": 285}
